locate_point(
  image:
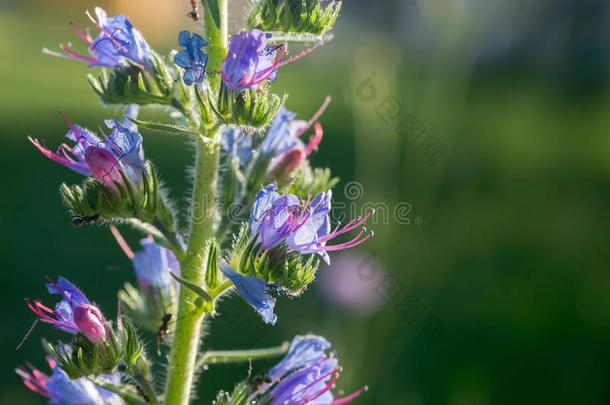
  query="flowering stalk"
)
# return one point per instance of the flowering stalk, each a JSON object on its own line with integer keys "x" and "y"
{"x": 189, "y": 318}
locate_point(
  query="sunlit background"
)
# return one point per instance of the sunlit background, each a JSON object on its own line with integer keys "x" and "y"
{"x": 479, "y": 130}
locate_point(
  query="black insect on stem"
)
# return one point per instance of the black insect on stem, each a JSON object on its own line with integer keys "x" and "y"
{"x": 77, "y": 222}
{"x": 260, "y": 380}
{"x": 194, "y": 13}
{"x": 163, "y": 330}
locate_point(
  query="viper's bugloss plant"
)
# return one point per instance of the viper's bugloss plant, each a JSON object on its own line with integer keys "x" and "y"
{"x": 259, "y": 217}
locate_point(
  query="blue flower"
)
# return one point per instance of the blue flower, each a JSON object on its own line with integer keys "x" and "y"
{"x": 304, "y": 350}
{"x": 253, "y": 290}
{"x": 303, "y": 225}
{"x": 62, "y": 316}
{"x": 237, "y": 144}
{"x": 306, "y": 375}
{"x": 125, "y": 142}
{"x": 117, "y": 42}
{"x": 122, "y": 150}
{"x": 249, "y": 61}
{"x": 153, "y": 264}
{"x": 192, "y": 59}
{"x": 61, "y": 390}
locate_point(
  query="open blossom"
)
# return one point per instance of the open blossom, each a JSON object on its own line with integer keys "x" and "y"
{"x": 303, "y": 225}
{"x": 253, "y": 290}
{"x": 117, "y": 42}
{"x": 61, "y": 390}
{"x": 192, "y": 59}
{"x": 249, "y": 61}
{"x": 283, "y": 143}
{"x": 306, "y": 375}
{"x": 74, "y": 313}
{"x": 90, "y": 156}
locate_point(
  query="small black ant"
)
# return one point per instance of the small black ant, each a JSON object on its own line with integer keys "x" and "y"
{"x": 260, "y": 379}
{"x": 194, "y": 14}
{"x": 163, "y": 330}
{"x": 77, "y": 222}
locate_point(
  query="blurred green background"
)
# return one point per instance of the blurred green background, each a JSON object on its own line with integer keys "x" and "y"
{"x": 481, "y": 125}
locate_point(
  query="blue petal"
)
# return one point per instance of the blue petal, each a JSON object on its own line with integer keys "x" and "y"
{"x": 264, "y": 201}
{"x": 75, "y": 296}
{"x": 153, "y": 264}
{"x": 253, "y": 290}
{"x": 304, "y": 350}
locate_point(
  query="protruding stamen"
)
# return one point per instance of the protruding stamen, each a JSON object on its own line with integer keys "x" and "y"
{"x": 315, "y": 140}
{"x": 80, "y": 34}
{"x": 315, "y": 117}
{"x": 348, "y": 398}
{"x": 305, "y": 52}
{"x": 121, "y": 241}
{"x": 71, "y": 126}
{"x": 114, "y": 41}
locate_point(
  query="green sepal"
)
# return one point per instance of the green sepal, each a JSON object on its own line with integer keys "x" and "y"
{"x": 239, "y": 396}
{"x": 251, "y": 109}
{"x": 310, "y": 181}
{"x": 132, "y": 84}
{"x": 127, "y": 392}
{"x": 84, "y": 358}
{"x": 298, "y": 16}
{"x": 165, "y": 129}
{"x": 148, "y": 306}
{"x": 290, "y": 271}
{"x": 212, "y": 279}
{"x": 145, "y": 201}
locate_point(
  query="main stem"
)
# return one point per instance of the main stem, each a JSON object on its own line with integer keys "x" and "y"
{"x": 189, "y": 317}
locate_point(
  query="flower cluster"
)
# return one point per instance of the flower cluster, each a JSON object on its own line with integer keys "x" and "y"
{"x": 220, "y": 98}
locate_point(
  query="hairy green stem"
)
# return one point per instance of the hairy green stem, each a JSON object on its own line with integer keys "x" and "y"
{"x": 189, "y": 318}
{"x": 237, "y": 356}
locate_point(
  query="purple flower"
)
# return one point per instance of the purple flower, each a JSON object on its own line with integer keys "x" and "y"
{"x": 306, "y": 375}
{"x": 249, "y": 61}
{"x": 153, "y": 264}
{"x": 117, "y": 42}
{"x": 192, "y": 59}
{"x": 62, "y": 316}
{"x": 90, "y": 156}
{"x": 303, "y": 225}
{"x": 61, "y": 390}
{"x": 253, "y": 290}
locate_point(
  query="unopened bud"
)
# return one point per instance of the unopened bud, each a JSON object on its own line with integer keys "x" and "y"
{"x": 104, "y": 166}
{"x": 90, "y": 322}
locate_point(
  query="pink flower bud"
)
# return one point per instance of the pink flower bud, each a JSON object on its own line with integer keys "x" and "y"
{"x": 90, "y": 322}
{"x": 104, "y": 166}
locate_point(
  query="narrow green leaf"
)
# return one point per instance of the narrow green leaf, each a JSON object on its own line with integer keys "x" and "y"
{"x": 193, "y": 287}
{"x": 215, "y": 12}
